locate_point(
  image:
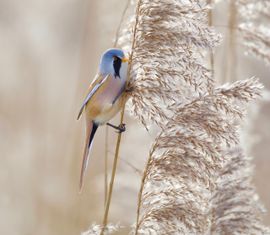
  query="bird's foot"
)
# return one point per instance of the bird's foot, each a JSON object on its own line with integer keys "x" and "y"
{"x": 121, "y": 128}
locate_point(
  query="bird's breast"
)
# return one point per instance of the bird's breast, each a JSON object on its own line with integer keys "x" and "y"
{"x": 102, "y": 107}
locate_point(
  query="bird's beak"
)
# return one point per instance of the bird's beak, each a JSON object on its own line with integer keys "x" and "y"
{"x": 125, "y": 59}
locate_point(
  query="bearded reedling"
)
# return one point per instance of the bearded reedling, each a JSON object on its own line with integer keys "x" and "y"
{"x": 104, "y": 98}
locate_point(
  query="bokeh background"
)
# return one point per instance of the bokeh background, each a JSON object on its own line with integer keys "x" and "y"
{"x": 49, "y": 53}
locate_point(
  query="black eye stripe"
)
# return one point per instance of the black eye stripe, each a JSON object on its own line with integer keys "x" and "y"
{"x": 117, "y": 62}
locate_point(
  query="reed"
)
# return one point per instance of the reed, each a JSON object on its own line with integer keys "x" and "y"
{"x": 254, "y": 28}
{"x": 181, "y": 173}
{"x": 171, "y": 88}
{"x": 117, "y": 148}
{"x": 236, "y": 206}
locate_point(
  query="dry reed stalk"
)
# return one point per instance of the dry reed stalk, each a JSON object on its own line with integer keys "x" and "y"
{"x": 236, "y": 208}
{"x": 171, "y": 87}
{"x": 167, "y": 74}
{"x": 105, "y": 228}
{"x": 253, "y": 25}
{"x": 108, "y": 202}
{"x": 210, "y": 21}
{"x": 165, "y": 59}
{"x": 117, "y": 148}
{"x": 229, "y": 68}
{"x": 181, "y": 172}
{"x": 106, "y": 165}
{"x": 115, "y": 44}
{"x": 232, "y": 73}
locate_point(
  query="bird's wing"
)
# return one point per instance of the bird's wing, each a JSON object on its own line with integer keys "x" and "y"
{"x": 119, "y": 94}
{"x": 95, "y": 85}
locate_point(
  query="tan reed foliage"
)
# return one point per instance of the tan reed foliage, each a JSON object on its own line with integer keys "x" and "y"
{"x": 236, "y": 208}
{"x": 210, "y": 22}
{"x": 197, "y": 121}
{"x": 255, "y": 28}
{"x": 170, "y": 86}
{"x": 118, "y": 142}
{"x": 185, "y": 160}
{"x": 164, "y": 58}
{"x": 96, "y": 229}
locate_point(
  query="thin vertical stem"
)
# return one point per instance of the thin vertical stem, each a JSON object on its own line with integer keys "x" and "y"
{"x": 108, "y": 202}
{"x": 107, "y": 128}
{"x": 105, "y": 218}
{"x": 106, "y": 167}
{"x": 232, "y": 44}
{"x": 120, "y": 24}
{"x": 230, "y": 65}
{"x": 145, "y": 173}
{"x": 210, "y": 22}
{"x": 140, "y": 195}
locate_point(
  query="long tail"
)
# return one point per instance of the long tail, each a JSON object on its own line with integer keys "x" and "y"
{"x": 91, "y": 129}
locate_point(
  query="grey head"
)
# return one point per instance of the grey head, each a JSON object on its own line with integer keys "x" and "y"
{"x": 113, "y": 62}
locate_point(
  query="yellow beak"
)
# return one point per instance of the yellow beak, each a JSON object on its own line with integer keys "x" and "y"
{"x": 125, "y": 59}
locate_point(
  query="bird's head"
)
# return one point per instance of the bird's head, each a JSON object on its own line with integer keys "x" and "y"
{"x": 113, "y": 62}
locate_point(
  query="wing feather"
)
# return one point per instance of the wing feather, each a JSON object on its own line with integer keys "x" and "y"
{"x": 119, "y": 94}
{"x": 97, "y": 83}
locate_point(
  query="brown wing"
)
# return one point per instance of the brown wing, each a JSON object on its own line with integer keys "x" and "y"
{"x": 95, "y": 85}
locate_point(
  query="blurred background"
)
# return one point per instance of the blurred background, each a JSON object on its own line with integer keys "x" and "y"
{"x": 50, "y": 51}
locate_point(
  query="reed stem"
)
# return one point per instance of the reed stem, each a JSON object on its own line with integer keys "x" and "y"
{"x": 232, "y": 44}
{"x": 230, "y": 65}
{"x": 210, "y": 22}
{"x": 140, "y": 195}
{"x": 106, "y": 166}
{"x": 105, "y": 218}
{"x": 108, "y": 202}
{"x": 107, "y": 128}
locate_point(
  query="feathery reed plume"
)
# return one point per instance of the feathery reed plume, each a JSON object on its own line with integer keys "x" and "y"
{"x": 164, "y": 58}
{"x": 172, "y": 88}
{"x": 236, "y": 209}
{"x": 181, "y": 172}
{"x": 96, "y": 229}
{"x": 255, "y": 28}
{"x": 257, "y": 40}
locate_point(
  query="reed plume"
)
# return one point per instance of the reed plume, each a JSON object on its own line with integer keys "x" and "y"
{"x": 96, "y": 229}
{"x": 165, "y": 65}
{"x": 171, "y": 87}
{"x": 255, "y": 28}
{"x": 236, "y": 206}
{"x": 185, "y": 161}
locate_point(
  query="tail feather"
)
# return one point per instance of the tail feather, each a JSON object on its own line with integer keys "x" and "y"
{"x": 91, "y": 128}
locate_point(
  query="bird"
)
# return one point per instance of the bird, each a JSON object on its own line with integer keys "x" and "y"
{"x": 104, "y": 99}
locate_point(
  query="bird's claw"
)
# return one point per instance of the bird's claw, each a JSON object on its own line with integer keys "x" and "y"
{"x": 121, "y": 128}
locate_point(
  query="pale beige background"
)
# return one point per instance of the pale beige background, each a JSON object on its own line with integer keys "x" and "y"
{"x": 49, "y": 52}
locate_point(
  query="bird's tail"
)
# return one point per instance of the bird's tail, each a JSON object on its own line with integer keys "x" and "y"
{"x": 91, "y": 128}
